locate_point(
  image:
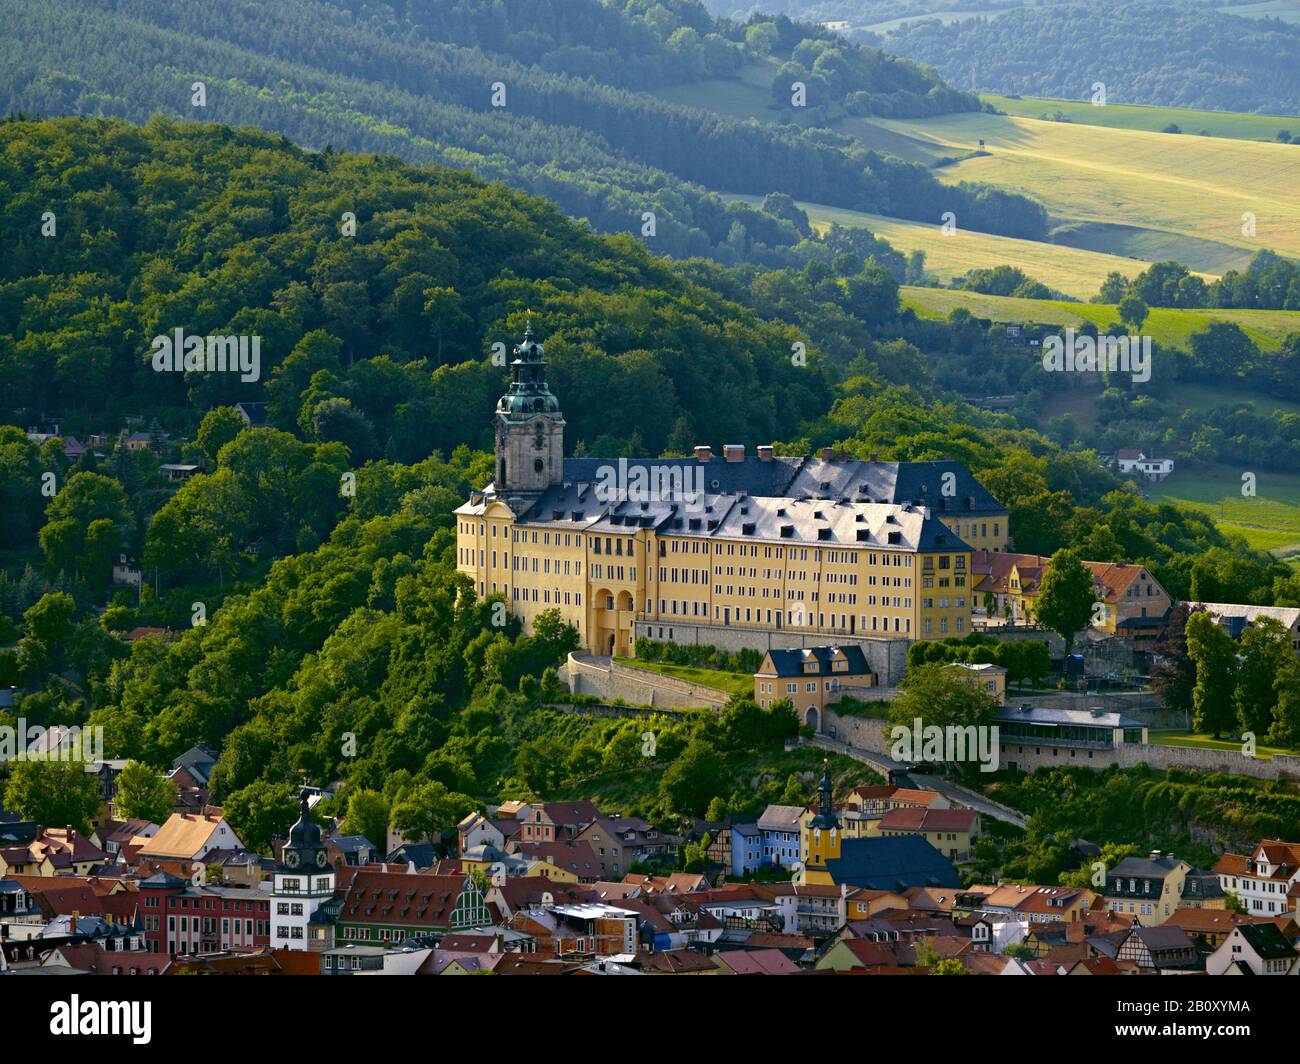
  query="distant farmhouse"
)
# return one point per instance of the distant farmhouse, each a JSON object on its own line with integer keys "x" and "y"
{"x": 1130, "y": 460}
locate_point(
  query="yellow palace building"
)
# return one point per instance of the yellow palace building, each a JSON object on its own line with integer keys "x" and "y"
{"x": 745, "y": 545}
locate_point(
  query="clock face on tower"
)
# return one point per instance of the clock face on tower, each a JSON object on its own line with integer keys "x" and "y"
{"x": 291, "y": 858}
{"x": 321, "y": 859}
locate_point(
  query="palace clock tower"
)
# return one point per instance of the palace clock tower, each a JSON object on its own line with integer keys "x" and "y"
{"x": 529, "y": 430}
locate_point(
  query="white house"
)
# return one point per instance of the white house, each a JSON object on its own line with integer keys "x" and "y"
{"x": 1267, "y": 880}
{"x": 1131, "y": 460}
{"x": 994, "y": 932}
{"x": 191, "y": 837}
{"x": 1155, "y": 469}
{"x": 1254, "y": 949}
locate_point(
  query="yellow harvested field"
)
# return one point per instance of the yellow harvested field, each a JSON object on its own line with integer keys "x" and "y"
{"x": 1070, "y": 270}
{"x": 1177, "y": 183}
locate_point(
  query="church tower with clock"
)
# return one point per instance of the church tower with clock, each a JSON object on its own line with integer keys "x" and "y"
{"x": 303, "y": 881}
{"x": 529, "y": 430}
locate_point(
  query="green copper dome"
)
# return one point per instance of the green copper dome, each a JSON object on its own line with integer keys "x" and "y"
{"x": 528, "y": 393}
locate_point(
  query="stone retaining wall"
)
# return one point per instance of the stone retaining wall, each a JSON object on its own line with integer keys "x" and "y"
{"x": 638, "y": 686}
{"x": 887, "y": 657}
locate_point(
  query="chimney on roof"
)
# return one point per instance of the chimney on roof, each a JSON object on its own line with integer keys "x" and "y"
{"x": 828, "y": 454}
{"x": 871, "y": 457}
{"x": 733, "y": 452}
{"x": 1155, "y": 855}
{"x": 703, "y": 452}
{"x": 72, "y": 923}
{"x": 765, "y": 453}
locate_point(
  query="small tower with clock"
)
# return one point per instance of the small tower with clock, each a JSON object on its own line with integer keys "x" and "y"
{"x": 303, "y": 881}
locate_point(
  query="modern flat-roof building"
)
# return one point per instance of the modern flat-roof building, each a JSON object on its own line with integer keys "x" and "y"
{"x": 1033, "y": 737}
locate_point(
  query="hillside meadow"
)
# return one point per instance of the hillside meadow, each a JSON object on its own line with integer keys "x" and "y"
{"x": 1228, "y": 124}
{"x": 1185, "y": 185}
{"x": 1165, "y": 325}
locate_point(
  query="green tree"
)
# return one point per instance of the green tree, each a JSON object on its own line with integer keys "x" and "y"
{"x": 67, "y": 539}
{"x": 1133, "y": 312}
{"x": 53, "y": 793}
{"x": 1285, "y": 730}
{"x": 1264, "y": 652}
{"x": 427, "y": 811}
{"x": 941, "y": 697}
{"x": 260, "y": 812}
{"x": 143, "y": 794}
{"x": 1066, "y": 598}
{"x": 1214, "y": 654}
{"x": 368, "y": 815}
{"x": 49, "y": 631}
{"x": 691, "y": 782}
{"x": 218, "y": 427}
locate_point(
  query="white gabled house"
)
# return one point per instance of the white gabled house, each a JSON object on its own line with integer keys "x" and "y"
{"x": 1254, "y": 949}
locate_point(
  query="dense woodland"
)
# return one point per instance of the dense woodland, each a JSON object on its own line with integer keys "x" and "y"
{"x": 1168, "y": 54}
{"x": 416, "y": 82}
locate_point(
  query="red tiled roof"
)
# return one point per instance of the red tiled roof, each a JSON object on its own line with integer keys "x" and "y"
{"x": 919, "y": 818}
{"x": 401, "y": 899}
{"x": 757, "y": 962}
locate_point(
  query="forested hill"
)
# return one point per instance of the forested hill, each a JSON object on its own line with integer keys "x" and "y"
{"x": 570, "y": 122}
{"x": 224, "y": 231}
{"x": 1166, "y": 54}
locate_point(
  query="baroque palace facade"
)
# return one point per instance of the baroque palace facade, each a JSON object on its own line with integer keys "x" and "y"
{"x": 810, "y": 545}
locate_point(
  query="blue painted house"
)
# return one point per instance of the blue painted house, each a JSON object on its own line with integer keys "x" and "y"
{"x": 746, "y": 849}
{"x": 779, "y": 826}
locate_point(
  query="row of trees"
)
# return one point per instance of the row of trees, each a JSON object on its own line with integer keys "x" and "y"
{"x": 1230, "y": 687}
{"x": 1024, "y": 660}
{"x": 1269, "y": 282}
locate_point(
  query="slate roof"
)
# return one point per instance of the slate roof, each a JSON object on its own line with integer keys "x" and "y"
{"x": 781, "y": 818}
{"x": 893, "y": 862}
{"x": 576, "y": 506}
{"x": 1162, "y": 937}
{"x": 1157, "y": 868}
{"x": 1267, "y": 940}
{"x": 350, "y": 843}
{"x": 420, "y": 854}
{"x": 793, "y": 662}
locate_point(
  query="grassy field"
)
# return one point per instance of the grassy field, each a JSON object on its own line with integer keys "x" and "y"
{"x": 1152, "y": 119}
{"x": 1269, "y": 521}
{"x": 1285, "y": 10}
{"x": 1208, "y": 742}
{"x": 1189, "y": 186}
{"x": 1267, "y": 328}
{"x": 746, "y": 96}
{"x": 733, "y": 683}
{"x": 1065, "y": 269}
